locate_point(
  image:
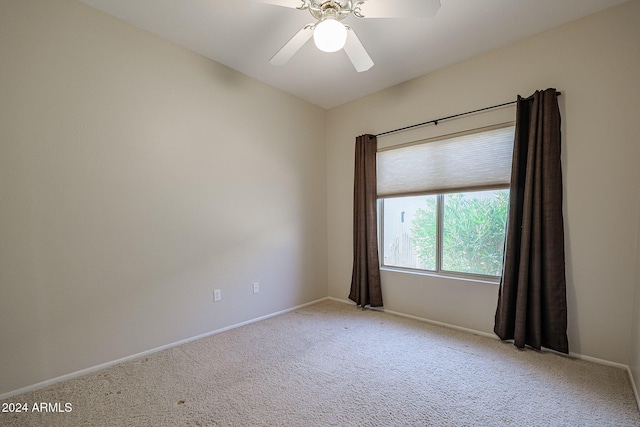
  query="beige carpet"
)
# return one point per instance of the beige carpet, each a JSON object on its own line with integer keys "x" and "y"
{"x": 331, "y": 364}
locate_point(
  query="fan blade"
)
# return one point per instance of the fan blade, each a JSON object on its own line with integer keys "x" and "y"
{"x": 356, "y": 52}
{"x": 399, "y": 8}
{"x": 296, "y": 4}
{"x": 293, "y": 45}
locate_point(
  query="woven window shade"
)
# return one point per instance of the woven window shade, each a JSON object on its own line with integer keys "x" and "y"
{"x": 467, "y": 161}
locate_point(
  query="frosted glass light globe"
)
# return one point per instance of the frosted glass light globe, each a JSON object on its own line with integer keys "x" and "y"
{"x": 330, "y": 35}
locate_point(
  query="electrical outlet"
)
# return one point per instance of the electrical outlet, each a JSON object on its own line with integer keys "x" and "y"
{"x": 217, "y": 295}
{"x": 256, "y": 287}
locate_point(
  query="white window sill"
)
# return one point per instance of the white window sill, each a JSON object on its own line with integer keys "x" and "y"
{"x": 452, "y": 276}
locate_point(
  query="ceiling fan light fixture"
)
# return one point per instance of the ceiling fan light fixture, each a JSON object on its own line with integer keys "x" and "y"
{"x": 330, "y": 35}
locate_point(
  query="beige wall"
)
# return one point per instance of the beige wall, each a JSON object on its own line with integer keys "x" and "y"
{"x": 135, "y": 178}
{"x": 594, "y": 62}
{"x": 634, "y": 358}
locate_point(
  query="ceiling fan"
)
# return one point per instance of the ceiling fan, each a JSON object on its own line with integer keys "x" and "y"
{"x": 331, "y": 35}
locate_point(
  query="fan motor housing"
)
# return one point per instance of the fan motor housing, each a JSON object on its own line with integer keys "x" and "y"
{"x": 337, "y": 9}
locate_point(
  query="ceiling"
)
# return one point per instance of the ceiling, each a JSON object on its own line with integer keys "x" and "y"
{"x": 244, "y": 35}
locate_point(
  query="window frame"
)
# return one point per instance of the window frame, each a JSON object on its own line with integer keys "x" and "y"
{"x": 439, "y": 271}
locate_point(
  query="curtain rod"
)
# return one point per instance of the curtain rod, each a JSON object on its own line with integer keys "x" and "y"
{"x": 435, "y": 122}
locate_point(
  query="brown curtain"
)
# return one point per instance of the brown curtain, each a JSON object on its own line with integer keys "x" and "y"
{"x": 532, "y": 302}
{"x": 365, "y": 277}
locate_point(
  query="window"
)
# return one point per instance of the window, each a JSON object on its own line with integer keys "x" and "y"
{"x": 469, "y": 226}
{"x": 443, "y": 203}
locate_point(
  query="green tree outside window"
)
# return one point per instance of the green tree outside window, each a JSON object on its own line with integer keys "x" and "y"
{"x": 473, "y": 232}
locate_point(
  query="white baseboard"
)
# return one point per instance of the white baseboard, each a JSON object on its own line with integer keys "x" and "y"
{"x": 421, "y": 319}
{"x": 92, "y": 369}
{"x": 493, "y": 336}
